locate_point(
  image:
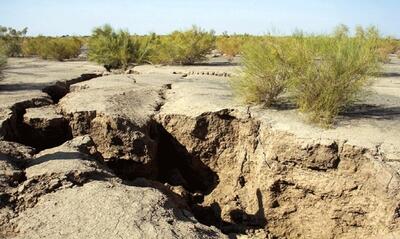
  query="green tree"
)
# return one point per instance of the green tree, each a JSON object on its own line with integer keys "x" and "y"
{"x": 113, "y": 49}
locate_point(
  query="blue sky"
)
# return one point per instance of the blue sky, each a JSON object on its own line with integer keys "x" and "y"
{"x": 59, "y": 17}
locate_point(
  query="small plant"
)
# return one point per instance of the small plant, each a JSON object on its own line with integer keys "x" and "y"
{"x": 113, "y": 49}
{"x": 265, "y": 72}
{"x": 11, "y": 40}
{"x": 184, "y": 48}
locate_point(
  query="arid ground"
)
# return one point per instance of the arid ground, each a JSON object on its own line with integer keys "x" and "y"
{"x": 168, "y": 152}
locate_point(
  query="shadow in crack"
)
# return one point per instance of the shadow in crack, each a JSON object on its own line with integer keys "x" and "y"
{"x": 64, "y": 156}
{"x": 240, "y": 221}
{"x": 256, "y": 220}
{"x": 372, "y": 112}
{"x": 73, "y": 165}
{"x": 22, "y": 87}
{"x": 389, "y": 74}
{"x": 178, "y": 167}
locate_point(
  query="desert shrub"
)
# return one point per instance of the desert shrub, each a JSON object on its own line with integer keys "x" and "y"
{"x": 231, "y": 45}
{"x": 63, "y": 48}
{"x": 386, "y": 47}
{"x": 265, "y": 71}
{"x": 383, "y": 46}
{"x": 146, "y": 47}
{"x": 113, "y": 49}
{"x": 52, "y": 48}
{"x": 3, "y": 57}
{"x": 184, "y": 47}
{"x": 31, "y": 46}
{"x": 11, "y": 40}
{"x": 322, "y": 75}
{"x": 330, "y": 75}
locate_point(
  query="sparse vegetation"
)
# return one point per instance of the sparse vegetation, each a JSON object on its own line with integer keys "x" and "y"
{"x": 52, "y": 48}
{"x": 184, "y": 47}
{"x": 231, "y": 45}
{"x": 330, "y": 75}
{"x": 113, "y": 49}
{"x": 11, "y": 40}
{"x": 147, "y": 47}
{"x": 265, "y": 71}
{"x": 323, "y": 75}
{"x": 3, "y": 57}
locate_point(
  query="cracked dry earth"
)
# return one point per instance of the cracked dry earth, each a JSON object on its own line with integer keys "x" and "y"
{"x": 161, "y": 155}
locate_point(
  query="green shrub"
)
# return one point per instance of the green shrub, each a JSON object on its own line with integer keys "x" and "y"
{"x": 30, "y": 46}
{"x": 3, "y": 57}
{"x": 322, "y": 75}
{"x": 265, "y": 71}
{"x": 52, "y": 48}
{"x": 184, "y": 48}
{"x": 330, "y": 75}
{"x": 231, "y": 45}
{"x": 11, "y": 40}
{"x": 112, "y": 49}
{"x": 146, "y": 47}
{"x": 64, "y": 48}
{"x": 383, "y": 46}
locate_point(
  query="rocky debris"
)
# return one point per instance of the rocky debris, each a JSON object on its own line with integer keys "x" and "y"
{"x": 53, "y": 169}
{"x": 290, "y": 187}
{"x": 208, "y": 73}
{"x": 10, "y": 176}
{"x": 109, "y": 210}
{"x": 105, "y": 109}
{"x": 12, "y": 158}
{"x": 62, "y": 185}
{"x": 37, "y": 128}
{"x": 11, "y": 118}
{"x": 45, "y": 128}
{"x": 60, "y": 167}
{"x": 17, "y": 151}
{"x": 73, "y": 158}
